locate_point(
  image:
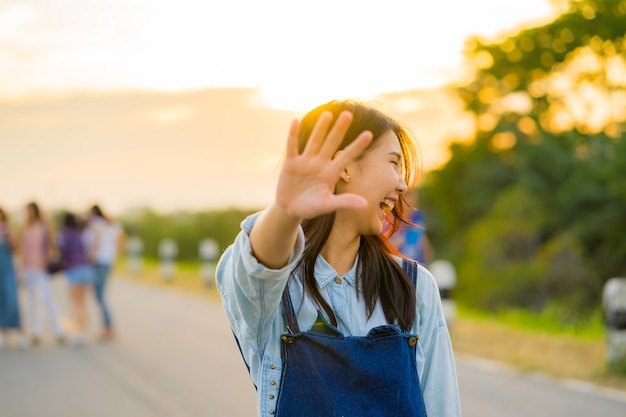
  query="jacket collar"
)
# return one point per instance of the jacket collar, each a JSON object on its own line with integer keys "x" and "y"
{"x": 326, "y": 274}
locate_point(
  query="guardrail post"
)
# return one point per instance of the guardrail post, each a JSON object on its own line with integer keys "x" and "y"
{"x": 614, "y": 304}
{"x": 168, "y": 251}
{"x": 134, "y": 248}
{"x": 445, "y": 275}
{"x": 208, "y": 250}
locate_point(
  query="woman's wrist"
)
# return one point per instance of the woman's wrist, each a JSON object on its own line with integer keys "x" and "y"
{"x": 282, "y": 214}
{"x": 273, "y": 236}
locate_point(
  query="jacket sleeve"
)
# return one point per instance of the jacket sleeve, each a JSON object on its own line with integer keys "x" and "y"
{"x": 251, "y": 293}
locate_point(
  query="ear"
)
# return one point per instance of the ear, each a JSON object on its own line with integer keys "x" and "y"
{"x": 345, "y": 175}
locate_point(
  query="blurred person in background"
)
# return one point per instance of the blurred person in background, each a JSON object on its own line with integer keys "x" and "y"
{"x": 411, "y": 240}
{"x": 34, "y": 247}
{"x": 10, "y": 320}
{"x": 79, "y": 273}
{"x": 105, "y": 241}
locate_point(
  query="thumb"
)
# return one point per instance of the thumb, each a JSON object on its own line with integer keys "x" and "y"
{"x": 348, "y": 201}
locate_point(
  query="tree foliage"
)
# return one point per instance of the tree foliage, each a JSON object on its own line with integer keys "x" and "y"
{"x": 534, "y": 209}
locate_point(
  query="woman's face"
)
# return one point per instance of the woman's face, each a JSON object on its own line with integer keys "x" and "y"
{"x": 378, "y": 177}
{"x": 30, "y": 213}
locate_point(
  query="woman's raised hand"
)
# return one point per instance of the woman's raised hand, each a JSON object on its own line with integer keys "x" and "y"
{"x": 307, "y": 180}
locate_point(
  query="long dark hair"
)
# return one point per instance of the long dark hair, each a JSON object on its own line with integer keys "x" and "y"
{"x": 97, "y": 211}
{"x": 36, "y": 212}
{"x": 71, "y": 221}
{"x": 379, "y": 276}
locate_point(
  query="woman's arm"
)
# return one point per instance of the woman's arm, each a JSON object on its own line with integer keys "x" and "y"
{"x": 11, "y": 240}
{"x": 121, "y": 241}
{"x": 94, "y": 244}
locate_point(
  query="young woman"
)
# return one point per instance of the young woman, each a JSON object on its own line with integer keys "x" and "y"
{"x": 78, "y": 271}
{"x": 35, "y": 244}
{"x": 105, "y": 240}
{"x": 329, "y": 320}
{"x": 10, "y": 320}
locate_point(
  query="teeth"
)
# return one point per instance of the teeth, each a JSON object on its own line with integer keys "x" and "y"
{"x": 387, "y": 204}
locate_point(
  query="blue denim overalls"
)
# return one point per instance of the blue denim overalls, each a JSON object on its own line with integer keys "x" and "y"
{"x": 326, "y": 374}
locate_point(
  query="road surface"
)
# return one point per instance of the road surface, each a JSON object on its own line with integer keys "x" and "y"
{"x": 175, "y": 357}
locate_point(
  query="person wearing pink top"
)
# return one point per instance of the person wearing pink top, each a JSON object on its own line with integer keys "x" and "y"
{"x": 35, "y": 244}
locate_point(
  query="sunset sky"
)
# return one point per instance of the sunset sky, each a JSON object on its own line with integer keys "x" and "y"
{"x": 113, "y": 100}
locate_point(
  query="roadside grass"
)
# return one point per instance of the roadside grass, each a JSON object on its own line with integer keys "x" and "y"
{"x": 536, "y": 343}
{"x": 187, "y": 277}
{"x": 550, "y": 321}
{"x": 528, "y": 342}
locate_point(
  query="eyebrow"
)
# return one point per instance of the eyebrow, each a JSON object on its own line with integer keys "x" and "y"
{"x": 396, "y": 154}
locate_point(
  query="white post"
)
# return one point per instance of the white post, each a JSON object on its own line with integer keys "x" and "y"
{"x": 134, "y": 248}
{"x": 208, "y": 251}
{"x": 614, "y": 304}
{"x": 168, "y": 250}
{"x": 445, "y": 274}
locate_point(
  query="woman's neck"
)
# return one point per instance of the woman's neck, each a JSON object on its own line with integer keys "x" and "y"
{"x": 33, "y": 222}
{"x": 340, "y": 252}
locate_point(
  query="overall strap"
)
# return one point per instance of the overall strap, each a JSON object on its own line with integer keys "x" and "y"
{"x": 289, "y": 313}
{"x": 410, "y": 267}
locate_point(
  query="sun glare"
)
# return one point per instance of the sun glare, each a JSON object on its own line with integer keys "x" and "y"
{"x": 182, "y": 76}
{"x": 307, "y": 66}
{"x": 306, "y": 97}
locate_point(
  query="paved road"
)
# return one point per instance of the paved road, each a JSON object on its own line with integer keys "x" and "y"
{"x": 489, "y": 389}
{"x": 176, "y": 358}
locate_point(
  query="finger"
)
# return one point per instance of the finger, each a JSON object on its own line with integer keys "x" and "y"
{"x": 336, "y": 134}
{"x": 292, "y": 139}
{"x": 316, "y": 139}
{"x": 352, "y": 151}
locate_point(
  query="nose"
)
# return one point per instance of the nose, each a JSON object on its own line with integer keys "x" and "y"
{"x": 402, "y": 187}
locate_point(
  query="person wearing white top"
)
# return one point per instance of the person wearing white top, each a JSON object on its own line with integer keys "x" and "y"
{"x": 104, "y": 239}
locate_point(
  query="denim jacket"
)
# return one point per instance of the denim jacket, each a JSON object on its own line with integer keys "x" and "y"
{"x": 251, "y": 296}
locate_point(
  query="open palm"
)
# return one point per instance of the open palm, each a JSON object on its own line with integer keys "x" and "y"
{"x": 307, "y": 180}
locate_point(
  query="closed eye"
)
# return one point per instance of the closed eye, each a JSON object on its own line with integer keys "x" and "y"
{"x": 396, "y": 160}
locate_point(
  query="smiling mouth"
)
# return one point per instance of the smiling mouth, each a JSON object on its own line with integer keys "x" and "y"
{"x": 387, "y": 205}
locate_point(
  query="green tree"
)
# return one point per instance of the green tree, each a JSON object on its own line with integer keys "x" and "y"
{"x": 550, "y": 109}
